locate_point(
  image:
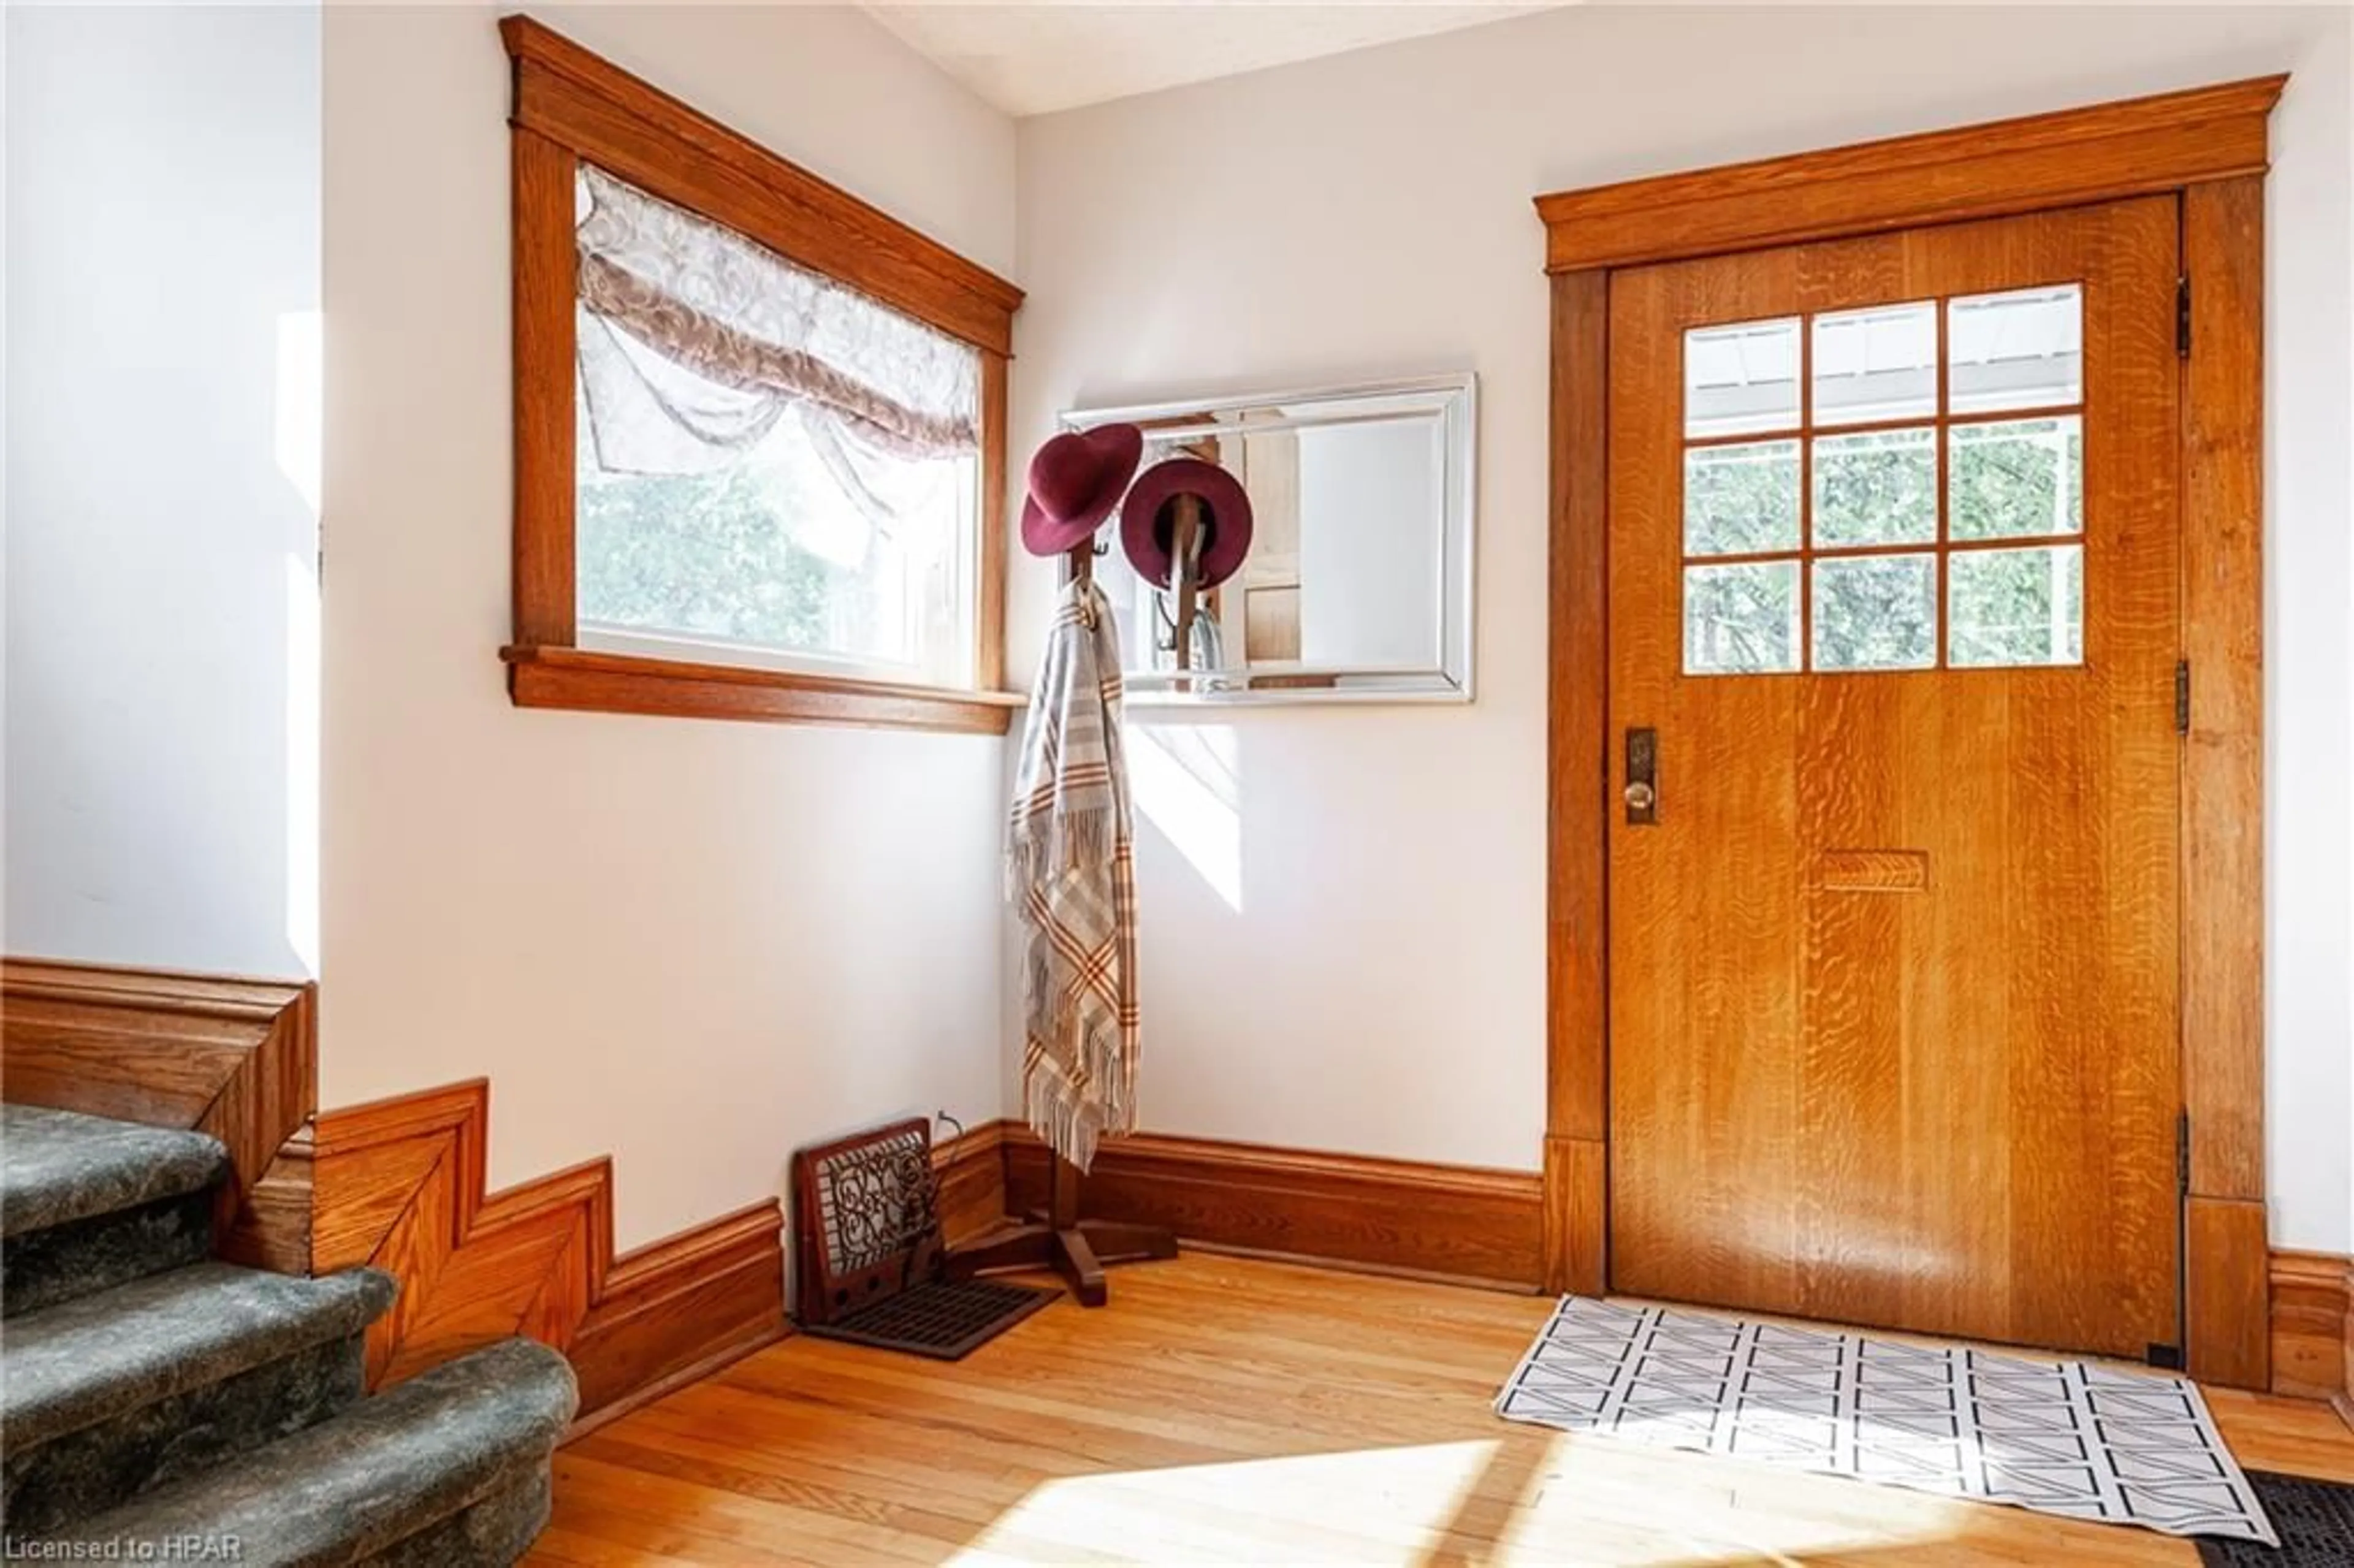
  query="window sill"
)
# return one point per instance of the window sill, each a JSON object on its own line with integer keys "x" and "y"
{"x": 549, "y": 677}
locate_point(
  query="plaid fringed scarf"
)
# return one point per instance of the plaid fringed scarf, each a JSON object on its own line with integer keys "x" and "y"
{"x": 1071, "y": 878}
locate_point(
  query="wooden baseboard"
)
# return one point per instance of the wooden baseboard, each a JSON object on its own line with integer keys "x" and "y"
{"x": 234, "y": 1058}
{"x": 398, "y": 1185}
{"x": 1462, "y": 1223}
{"x": 727, "y": 1355}
{"x": 679, "y": 1308}
{"x": 970, "y": 1168}
{"x": 2312, "y": 1317}
{"x": 1482, "y": 1227}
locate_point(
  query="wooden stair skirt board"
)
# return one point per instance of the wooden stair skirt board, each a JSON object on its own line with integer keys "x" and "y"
{"x": 399, "y": 1185}
{"x": 234, "y": 1058}
{"x": 1459, "y": 1224}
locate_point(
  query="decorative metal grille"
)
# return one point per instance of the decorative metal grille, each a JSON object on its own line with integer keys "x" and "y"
{"x": 869, "y": 1258}
{"x": 875, "y": 1198}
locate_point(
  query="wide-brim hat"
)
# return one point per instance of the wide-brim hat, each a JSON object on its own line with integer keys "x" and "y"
{"x": 1075, "y": 483}
{"x": 1148, "y": 519}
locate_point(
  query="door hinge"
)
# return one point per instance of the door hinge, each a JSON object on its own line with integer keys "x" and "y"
{"x": 2182, "y": 1153}
{"x": 2183, "y": 317}
{"x": 2182, "y": 696}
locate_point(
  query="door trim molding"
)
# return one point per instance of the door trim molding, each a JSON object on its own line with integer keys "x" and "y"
{"x": 2139, "y": 147}
{"x": 2208, "y": 146}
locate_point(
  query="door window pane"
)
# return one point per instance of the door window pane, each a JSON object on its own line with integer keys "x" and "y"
{"x": 2016, "y": 607}
{"x": 2019, "y": 350}
{"x": 1876, "y": 364}
{"x": 1877, "y": 487}
{"x": 1740, "y": 619}
{"x": 1741, "y": 379}
{"x": 2016, "y": 478}
{"x": 1876, "y": 612}
{"x": 1741, "y": 500}
{"x": 1921, "y": 504}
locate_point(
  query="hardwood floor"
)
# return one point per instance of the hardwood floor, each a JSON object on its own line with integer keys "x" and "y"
{"x": 1227, "y": 1411}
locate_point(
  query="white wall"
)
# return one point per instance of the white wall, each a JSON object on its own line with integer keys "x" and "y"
{"x": 162, "y": 660}
{"x": 1377, "y": 982}
{"x": 696, "y": 945}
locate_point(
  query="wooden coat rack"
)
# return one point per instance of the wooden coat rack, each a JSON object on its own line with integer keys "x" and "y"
{"x": 1055, "y": 1237}
{"x": 1185, "y": 556}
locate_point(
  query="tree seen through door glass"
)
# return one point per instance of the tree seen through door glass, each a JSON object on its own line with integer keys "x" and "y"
{"x": 2016, "y": 607}
{"x": 1742, "y": 500}
{"x": 1740, "y": 619}
{"x": 1877, "y": 487}
{"x": 2017, "y": 479}
{"x": 1875, "y": 613}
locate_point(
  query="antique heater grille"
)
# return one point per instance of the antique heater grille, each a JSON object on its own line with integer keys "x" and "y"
{"x": 870, "y": 1264}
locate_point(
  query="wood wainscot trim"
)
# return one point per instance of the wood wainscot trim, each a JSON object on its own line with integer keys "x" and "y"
{"x": 569, "y": 106}
{"x": 399, "y": 1186}
{"x": 232, "y": 1057}
{"x": 2210, "y": 147}
{"x": 1462, "y": 1225}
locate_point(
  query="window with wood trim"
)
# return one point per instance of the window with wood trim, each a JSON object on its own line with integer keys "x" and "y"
{"x": 760, "y": 426}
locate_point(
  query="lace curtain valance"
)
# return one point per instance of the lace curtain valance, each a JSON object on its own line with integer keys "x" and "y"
{"x": 694, "y": 341}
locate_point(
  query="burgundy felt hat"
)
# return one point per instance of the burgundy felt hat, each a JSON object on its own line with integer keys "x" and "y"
{"x": 1075, "y": 482}
{"x": 1148, "y": 523}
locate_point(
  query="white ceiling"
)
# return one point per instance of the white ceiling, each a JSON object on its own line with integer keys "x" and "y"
{"x": 1036, "y": 59}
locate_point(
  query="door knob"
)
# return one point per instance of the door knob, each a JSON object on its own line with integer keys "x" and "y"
{"x": 1642, "y": 792}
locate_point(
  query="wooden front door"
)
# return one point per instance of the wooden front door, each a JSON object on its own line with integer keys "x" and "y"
{"x": 1894, "y": 618}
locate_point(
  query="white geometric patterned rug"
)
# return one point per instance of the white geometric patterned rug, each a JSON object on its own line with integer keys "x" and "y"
{"x": 2068, "y": 1438}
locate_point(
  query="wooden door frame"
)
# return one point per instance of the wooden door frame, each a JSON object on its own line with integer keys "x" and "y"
{"x": 2209, "y": 147}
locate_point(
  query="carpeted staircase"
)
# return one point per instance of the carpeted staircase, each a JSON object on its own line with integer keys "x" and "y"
{"x": 150, "y": 1395}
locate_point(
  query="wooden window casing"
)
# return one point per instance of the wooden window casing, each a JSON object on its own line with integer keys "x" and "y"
{"x": 570, "y": 107}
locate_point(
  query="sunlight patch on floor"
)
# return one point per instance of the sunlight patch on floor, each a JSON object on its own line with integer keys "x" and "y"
{"x": 1520, "y": 1499}
{"x": 1369, "y": 1506}
{"x": 1605, "y": 1502}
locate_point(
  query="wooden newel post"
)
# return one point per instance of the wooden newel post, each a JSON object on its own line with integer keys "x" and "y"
{"x": 1055, "y": 1237}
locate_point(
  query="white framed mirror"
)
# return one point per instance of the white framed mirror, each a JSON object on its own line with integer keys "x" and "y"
{"x": 1357, "y": 585}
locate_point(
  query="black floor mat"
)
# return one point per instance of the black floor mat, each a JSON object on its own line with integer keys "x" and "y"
{"x": 2315, "y": 1518}
{"x": 945, "y": 1320}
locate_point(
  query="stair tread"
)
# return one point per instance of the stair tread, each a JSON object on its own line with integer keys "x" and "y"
{"x": 57, "y": 1166}
{"x": 378, "y": 1472}
{"x": 85, "y": 1359}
